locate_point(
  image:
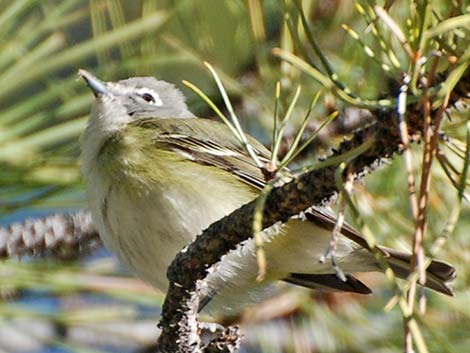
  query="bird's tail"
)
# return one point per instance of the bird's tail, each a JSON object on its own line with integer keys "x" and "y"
{"x": 438, "y": 273}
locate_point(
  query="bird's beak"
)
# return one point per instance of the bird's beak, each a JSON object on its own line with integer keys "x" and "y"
{"x": 97, "y": 86}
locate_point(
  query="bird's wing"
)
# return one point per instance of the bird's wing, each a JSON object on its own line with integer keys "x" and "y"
{"x": 214, "y": 146}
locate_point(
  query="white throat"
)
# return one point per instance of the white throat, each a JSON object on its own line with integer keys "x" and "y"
{"x": 106, "y": 118}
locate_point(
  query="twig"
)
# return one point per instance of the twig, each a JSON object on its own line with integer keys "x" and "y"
{"x": 403, "y": 128}
{"x": 431, "y": 138}
{"x": 227, "y": 342}
{"x": 331, "y": 249}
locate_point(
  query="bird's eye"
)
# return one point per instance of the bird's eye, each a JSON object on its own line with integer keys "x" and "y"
{"x": 148, "y": 98}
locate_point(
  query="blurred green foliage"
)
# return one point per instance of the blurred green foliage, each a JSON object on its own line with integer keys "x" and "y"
{"x": 44, "y": 107}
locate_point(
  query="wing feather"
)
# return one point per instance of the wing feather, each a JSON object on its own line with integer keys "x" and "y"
{"x": 214, "y": 146}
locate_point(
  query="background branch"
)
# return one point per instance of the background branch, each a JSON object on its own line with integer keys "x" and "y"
{"x": 63, "y": 236}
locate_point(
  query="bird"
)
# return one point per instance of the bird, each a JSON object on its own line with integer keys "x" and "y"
{"x": 157, "y": 176}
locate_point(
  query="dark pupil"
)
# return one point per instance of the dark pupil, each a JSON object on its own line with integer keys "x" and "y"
{"x": 148, "y": 97}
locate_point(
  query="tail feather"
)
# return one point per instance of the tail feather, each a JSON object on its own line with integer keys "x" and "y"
{"x": 328, "y": 282}
{"x": 438, "y": 273}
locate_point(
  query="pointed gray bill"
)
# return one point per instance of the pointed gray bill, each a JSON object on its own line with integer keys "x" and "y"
{"x": 97, "y": 86}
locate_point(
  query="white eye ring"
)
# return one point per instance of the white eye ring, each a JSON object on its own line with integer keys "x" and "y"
{"x": 150, "y": 96}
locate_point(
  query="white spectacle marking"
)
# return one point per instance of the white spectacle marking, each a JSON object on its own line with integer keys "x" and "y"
{"x": 158, "y": 102}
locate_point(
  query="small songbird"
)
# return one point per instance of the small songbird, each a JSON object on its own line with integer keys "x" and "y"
{"x": 157, "y": 176}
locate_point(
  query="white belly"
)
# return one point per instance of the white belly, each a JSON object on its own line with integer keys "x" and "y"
{"x": 147, "y": 229}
